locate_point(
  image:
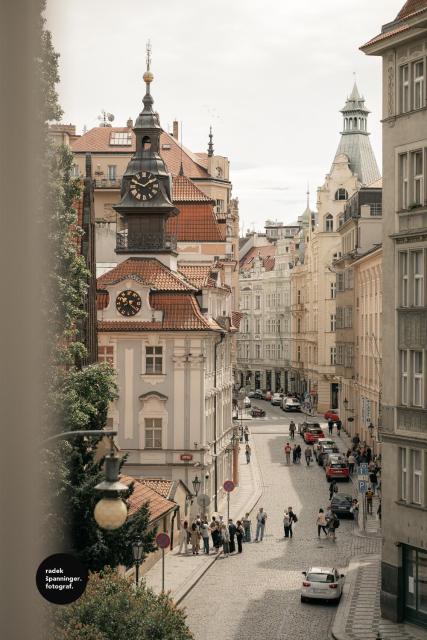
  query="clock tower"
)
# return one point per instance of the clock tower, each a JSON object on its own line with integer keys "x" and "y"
{"x": 146, "y": 199}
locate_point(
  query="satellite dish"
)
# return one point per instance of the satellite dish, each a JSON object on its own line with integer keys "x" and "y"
{"x": 110, "y": 117}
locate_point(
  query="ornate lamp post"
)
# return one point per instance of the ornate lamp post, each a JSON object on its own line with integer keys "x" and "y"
{"x": 137, "y": 549}
{"x": 196, "y": 486}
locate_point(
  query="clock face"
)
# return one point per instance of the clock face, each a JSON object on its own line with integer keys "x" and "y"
{"x": 144, "y": 186}
{"x": 128, "y": 303}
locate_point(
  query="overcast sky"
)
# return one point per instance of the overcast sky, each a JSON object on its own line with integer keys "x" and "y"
{"x": 269, "y": 75}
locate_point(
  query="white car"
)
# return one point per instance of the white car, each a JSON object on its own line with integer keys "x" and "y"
{"x": 247, "y": 402}
{"x": 291, "y": 404}
{"x": 322, "y": 583}
{"x": 277, "y": 399}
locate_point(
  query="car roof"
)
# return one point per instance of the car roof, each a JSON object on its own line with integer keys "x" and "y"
{"x": 322, "y": 440}
{"x": 342, "y": 495}
{"x": 321, "y": 570}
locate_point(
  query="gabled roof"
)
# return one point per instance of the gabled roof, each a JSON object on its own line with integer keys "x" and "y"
{"x": 97, "y": 140}
{"x": 200, "y": 276}
{"x": 148, "y": 271}
{"x": 158, "y": 504}
{"x": 196, "y": 222}
{"x": 183, "y": 190}
{"x": 266, "y": 253}
{"x": 410, "y": 7}
{"x": 402, "y": 22}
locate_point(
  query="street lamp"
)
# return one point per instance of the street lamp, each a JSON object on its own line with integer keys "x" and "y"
{"x": 137, "y": 549}
{"x": 196, "y": 486}
{"x": 111, "y": 512}
{"x": 371, "y": 429}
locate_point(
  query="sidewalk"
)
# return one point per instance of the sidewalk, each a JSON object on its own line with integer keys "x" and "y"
{"x": 358, "y": 614}
{"x": 183, "y": 572}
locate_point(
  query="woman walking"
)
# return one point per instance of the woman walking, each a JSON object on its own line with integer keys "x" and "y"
{"x": 225, "y": 536}
{"x": 215, "y": 534}
{"x": 204, "y": 532}
{"x": 183, "y": 537}
{"x": 286, "y": 524}
{"x": 195, "y": 539}
{"x": 321, "y": 523}
{"x": 240, "y": 532}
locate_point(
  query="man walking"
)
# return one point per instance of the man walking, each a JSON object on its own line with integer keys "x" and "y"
{"x": 232, "y": 533}
{"x": 247, "y": 525}
{"x": 286, "y": 524}
{"x": 330, "y": 426}
{"x": 292, "y": 429}
{"x": 248, "y": 452}
{"x": 292, "y": 518}
{"x": 369, "y": 495}
{"x": 204, "y": 531}
{"x": 339, "y": 426}
{"x": 288, "y": 453}
{"x": 261, "y": 519}
{"x": 308, "y": 454}
{"x": 333, "y": 488}
{"x": 246, "y": 434}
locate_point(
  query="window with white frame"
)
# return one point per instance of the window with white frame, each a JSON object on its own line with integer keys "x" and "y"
{"x": 403, "y": 474}
{"x": 417, "y": 475}
{"x": 246, "y": 351}
{"x": 112, "y": 172}
{"x": 333, "y": 320}
{"x": 404, "y": 377}
{"x": 404, "y": 276}
{"x": 333, "y": 355}
{"x": 417, "y": 380}
{"x": 403, "y": 181}
{"x": 341, "y": 194}
{"x": 273, "y": 351}
{"x": 418, "y": 274}
{"x": 257, "y": 350}
{"x": 333, "y": 290}
{"x": 298, "y": 353}
{"x": 75, "y": 171}
{"x": 298, "y": 325}
{"x": 257, "y": 325}
{"x": 418, "y": 68}
{"x": 153, "y": 433}
{"x": 418, "y": 177}
{"x": 329, "y": 223}
{"x": 153, "y": 359}
{"x": 404, "y": 89}
{"x": 267, "y": 351}
{"x": 257, "y": 302}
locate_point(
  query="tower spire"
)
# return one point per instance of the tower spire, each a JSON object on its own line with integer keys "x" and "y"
{"x": 148, "y": 79}
{"x": 308, "y": 196}
{"x": 210, "y": 145}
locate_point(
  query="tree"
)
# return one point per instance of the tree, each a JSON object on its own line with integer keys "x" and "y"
{"x": 112, "y": 609}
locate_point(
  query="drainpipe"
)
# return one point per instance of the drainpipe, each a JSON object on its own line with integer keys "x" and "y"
{"x": 216, "y": 345}
{"x": 172, "y": 523}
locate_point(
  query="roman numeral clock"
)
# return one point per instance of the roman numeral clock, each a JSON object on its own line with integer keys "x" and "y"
{"x": 144, "y": 186}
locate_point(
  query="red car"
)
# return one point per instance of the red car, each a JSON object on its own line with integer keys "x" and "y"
{"x": 312, "y": 435}
{"x": 336, "y": 468}
{"x": 331, "y": 415}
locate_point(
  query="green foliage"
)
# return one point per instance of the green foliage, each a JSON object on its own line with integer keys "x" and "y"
{"x": 113, "y": 608}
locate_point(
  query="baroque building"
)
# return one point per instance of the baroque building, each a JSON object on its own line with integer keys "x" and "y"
{"x": 166, "y": 328}
{"x": 402, "y": 45}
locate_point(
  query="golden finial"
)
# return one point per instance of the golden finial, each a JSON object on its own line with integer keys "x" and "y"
{"x": 148, "y": 76}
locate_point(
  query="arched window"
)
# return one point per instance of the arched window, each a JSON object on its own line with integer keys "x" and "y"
{"x": 329, "y": 223}
{"x": 146, "y": 143}
{"x": 341, "y": 194}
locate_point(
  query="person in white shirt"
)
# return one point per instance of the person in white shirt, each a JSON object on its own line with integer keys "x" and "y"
{"x": 261, "y": 519}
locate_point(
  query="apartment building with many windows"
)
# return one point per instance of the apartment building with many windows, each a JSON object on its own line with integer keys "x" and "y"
{"x": 402, "y": 44}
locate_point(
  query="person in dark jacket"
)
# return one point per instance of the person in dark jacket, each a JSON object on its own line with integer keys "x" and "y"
{"x": 292, "y": 518}
{"x": 330, "y": 426}
{"x": 332, "y": 489}
{"x": 232, "y": 531}
{"x": 240, "y": 532}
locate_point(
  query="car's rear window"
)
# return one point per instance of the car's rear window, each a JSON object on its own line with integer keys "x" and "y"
{"x": 315, "y": 431}
{"x": 320, "y": 577}
{"x": 338, "y": 465}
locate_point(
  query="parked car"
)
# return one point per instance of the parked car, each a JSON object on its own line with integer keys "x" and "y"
{"x": 268, "y": 395}
{"x": 251, "y": 394}
{"x": 256, "y": 412}
{"x": 291, "y": 404}
{"x": 341, "y": 505}
{"x": 322, "y": 583}
{"x": 247, "y": 402}
{"x": 277, "y": 399}
{"x": 312, "y": 434}
{"x": 331, "y": 415}
{"x": 320, "y": 442}
{"x": 303, "y": 426}
{"x": 258, "y": 394}
{"x": 324, "y": 452}
{"x": 336, "y": 468}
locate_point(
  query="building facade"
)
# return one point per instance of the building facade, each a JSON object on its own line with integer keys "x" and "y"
{"x": 402, "y": 44}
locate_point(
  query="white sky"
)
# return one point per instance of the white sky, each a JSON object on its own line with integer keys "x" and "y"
{"x": 269, "y": 75}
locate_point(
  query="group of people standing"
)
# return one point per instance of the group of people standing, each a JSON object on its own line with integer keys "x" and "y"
{"x": 225, "y": 536}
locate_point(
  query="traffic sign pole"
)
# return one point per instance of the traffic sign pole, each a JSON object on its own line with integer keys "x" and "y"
{"x": 163, "y": 570}
{"x": 163, "y": 541}
{"x": 228, "y": 507}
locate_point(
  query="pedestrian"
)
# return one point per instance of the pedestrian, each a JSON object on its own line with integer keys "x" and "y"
{"x": 330, "y": 426}
{"x": 321, "y": 523}
{"x": 195, "y": 539}
{"x": 232, "y": 532}
{"x": 286, "y": 523}
{"x": 261, "y": 519}
{"x": 333, "y": 488}
{"x": 368, "y": 454}
{"x": 351, "y": 462}
{"x": 183, "y": 537}
{"x": 308, "y": 454}
{"x": 379, "y": 511}
{"x": 215, "y": 533}
{"x": 333, "y": 523}
{"x": 339, "y": 426}
{"x": 204, "y": 532}
{"x": 373, "y": 480}
{"x": 369, "y": 495}
{"x": 354, "y": 509}
{"x": 294, "y": 454}
{"x": 247, "y": 525}
{"x": 248, "y": 452}
{"x": 240, "y": 534}
{"x": 292, "y": 429}
{"x": 356, "y": 440}
{"x": 288, "y": 453}
{"x": 246, "y": 434}
{"x": 225, "y": 538}
{"x": 298, "y": 454}
{"x": 292, "y": 518}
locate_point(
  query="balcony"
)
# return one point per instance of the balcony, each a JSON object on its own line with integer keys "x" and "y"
{"x": 107, "y": 183}
{"x": 144, "y": 242}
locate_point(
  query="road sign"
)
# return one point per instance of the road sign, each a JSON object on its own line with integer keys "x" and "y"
{"x": 363, "y": 468}
{"x": 228, "y": 486}
{"x": 363, "y": 486}
{"x": 186, "y": 457}
{"x": 203, "y": 500}
{"x": 163, "y": 540}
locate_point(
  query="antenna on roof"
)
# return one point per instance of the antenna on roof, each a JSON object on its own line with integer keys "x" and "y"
{"x": 105, "y": 118}
{"x": 181, "y": 169}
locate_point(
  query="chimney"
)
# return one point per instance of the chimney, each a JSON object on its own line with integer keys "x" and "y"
{"x": 129, "y": 123}
{"x": 175, "y": 132}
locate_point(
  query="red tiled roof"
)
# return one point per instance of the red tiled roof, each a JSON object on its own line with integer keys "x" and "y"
{"x": 387, "y": 34}
{"x": 183, "y": 190}
{"x": 142, "y": 493}
{"x": 410, "y": 7}
{"x": 149, "y": 271}
{"x": 181, "y": 312}
{"x": 236, "y": 316}
{"x": 102, "y": 299}
{"x": 199, "y": 276}
{"x": 266, "y": 253}
{"x": 161, "y": 486}
{"x": 196, "y": 222}
{"x": 97, "y": 140}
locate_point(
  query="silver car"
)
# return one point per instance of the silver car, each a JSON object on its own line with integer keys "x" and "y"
{"x": 322, "y": 583}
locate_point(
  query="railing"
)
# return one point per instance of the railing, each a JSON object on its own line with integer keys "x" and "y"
{"x": 145, "y": 242}
{"x": 107, "y": 183}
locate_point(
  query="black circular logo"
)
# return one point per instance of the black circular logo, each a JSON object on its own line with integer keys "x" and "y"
{"x": 61, "y": 578}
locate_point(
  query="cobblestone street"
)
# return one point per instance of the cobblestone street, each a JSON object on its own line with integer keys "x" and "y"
{"x": 257, "y": 594}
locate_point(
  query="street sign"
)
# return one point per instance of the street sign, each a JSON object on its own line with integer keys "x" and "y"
{"x": 163, "y": 540}
{"x": 203, "y": 500}
{"x": 363, "y": 468}
{"x": 186, "y": 457}
{"x": 228, "y": 486}
{"x": 363, "y": 486}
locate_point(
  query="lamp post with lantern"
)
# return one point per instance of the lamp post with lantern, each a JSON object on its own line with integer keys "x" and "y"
{"x": 137, "y": 549}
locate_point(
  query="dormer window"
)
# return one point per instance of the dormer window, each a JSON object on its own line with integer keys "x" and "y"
{"x": 341, "y": 194}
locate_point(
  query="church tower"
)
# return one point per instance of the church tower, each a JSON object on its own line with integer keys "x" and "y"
{"x": 146, "y": 191}
{"x": 355, "y": 143}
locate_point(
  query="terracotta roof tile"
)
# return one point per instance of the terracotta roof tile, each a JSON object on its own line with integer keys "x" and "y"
{"x": 266, "y": 253}
{"x": 149, "y": 271}
{"x": 196, "y": 222}
{"x": 158, "y": 504}
{"x": 410, "y": 7}
{"x": 199, "y": 276}
{"x": 183, "y": 190}
{"x": 97, "y": 140}
{"x": 236, "y": 317}
{"x": 387, "y": 34}
{"x": 161, "y": 486}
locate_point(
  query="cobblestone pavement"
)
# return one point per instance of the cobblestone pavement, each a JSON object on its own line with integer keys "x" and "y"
{"x": 256, "y": 595}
